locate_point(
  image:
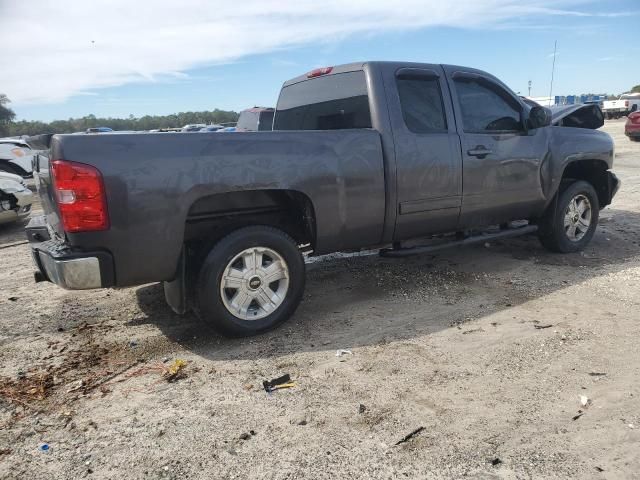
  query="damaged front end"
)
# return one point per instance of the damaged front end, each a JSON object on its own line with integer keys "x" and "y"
{"x": 588, "y": 115}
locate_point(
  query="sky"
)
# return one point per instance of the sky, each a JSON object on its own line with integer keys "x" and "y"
{"x": 115, "y": 58}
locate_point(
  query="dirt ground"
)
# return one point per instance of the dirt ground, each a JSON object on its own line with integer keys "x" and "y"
{"x": 484, "y": 351}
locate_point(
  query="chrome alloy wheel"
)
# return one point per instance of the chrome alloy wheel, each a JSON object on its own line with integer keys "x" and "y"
{"x": 577, "y": 218}
{"x": 254, "y": 283}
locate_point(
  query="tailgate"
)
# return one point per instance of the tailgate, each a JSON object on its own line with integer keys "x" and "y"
{"x": 42, "y": 176}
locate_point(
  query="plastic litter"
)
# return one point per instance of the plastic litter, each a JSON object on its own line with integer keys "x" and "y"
{"x": 44, "y": 448}
{"x": 278, "y": 383}
{"x": 175, "y": 370}
{"x": 342, "y": 352}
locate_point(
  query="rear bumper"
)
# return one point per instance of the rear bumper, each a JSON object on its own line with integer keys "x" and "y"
{"x": 68, "y": 268}
{"x": 632, "y": 131}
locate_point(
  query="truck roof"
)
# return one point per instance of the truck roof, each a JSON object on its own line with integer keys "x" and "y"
{"x": 355, "y": 66}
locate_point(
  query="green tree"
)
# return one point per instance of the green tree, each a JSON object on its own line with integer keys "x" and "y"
{"x": 146, "y": 122}
{"x": 636, "y": 89}
{"x": 6, "y": 115}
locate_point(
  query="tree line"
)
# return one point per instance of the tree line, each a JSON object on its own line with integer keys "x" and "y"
{"x": 147, "y": 122}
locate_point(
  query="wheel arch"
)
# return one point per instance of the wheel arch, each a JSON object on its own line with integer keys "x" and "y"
{"x": 594, "y": 171}
{"x": 211, "y": 217}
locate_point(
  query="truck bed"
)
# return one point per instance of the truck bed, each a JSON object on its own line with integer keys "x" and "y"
{"x": 153, "y": 180}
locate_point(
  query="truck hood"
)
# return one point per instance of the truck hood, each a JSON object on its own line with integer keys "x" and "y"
{"x": 578, "y": 116}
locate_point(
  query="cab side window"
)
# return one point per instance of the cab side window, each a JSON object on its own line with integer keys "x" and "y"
{"x": 421, "y": 103}
{"x": 486, "y": 108}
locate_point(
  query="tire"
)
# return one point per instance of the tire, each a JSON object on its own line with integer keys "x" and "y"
{"x": 564, "y": 232}
{"x": 247, "y": 305}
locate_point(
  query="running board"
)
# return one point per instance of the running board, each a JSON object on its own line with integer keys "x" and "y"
{"x": 405, "y": 252}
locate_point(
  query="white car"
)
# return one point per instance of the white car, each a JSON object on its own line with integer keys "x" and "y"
{"x": 16, "y": 157}
{"x": 15, "y": 198}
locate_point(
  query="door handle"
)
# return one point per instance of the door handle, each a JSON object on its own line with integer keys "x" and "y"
{"x": 480, "y": 151}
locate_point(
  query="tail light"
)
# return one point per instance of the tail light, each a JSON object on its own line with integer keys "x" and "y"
{"x": 318, "y": 72}
{"x": 81, "y": 197}
{"x": 626, "y": 103}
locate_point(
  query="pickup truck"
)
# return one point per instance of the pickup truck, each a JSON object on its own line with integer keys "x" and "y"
{"x": 364, "y": 155}
{"x": 625, "y": 105}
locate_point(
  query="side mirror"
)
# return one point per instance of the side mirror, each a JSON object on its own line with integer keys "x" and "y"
{"x": 538, "y": 117}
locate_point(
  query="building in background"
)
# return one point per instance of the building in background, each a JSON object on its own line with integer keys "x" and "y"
{"x": 570, "y": 99}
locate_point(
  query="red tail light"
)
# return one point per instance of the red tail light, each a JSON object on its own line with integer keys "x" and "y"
{"x": 319, "y": 72}
{"x": 81, "y": 198}
{"x": 626, "y": 103}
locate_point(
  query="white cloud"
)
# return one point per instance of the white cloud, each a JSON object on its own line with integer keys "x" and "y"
{"x": 54, "y": 50}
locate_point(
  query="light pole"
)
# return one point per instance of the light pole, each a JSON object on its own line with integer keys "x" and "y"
{"x": 529, "y": 87}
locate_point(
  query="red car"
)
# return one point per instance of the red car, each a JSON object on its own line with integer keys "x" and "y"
{"x": 632, "y": 127}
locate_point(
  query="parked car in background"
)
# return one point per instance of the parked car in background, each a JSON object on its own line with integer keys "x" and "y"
{"x": 15, "y": 198}
{"x": 256, "y": 119}
{"x": 626, "y": 104}
{"x": 99, "y": 130}
{"x": 363, "y": 155}
{"x": 632, "y": 127}
{"x": 212, "y": 128}
{"x": 194, "y": 127}
{"x": 16, "y": 157}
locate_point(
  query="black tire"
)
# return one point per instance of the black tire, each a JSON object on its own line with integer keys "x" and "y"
{"x": 210, "y": 305}
{"x": 552, "y": 232}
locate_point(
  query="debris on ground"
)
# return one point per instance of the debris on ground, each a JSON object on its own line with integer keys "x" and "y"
{"x": 278, "y": 383}
{"x": 474, "y": 330}
{"x": 495, "y": 461}
{"x": 576, "y": 417}
{"x": 597, "y": 374}
{"x": 5, "y": 451}
{"x": 341, "y": 352}
{"x": 540, "y": 327}
{"x": 175, "y": 371}
{"x": 361, "y": 408}
{"x": 599, "y": 469}
{"x": 409, "y": 436}
{"x": 585, "y": 401}
{"x": 45, "y": 447}
{"x": 75, "y": 386}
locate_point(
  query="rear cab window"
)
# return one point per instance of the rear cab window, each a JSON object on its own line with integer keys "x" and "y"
{"x": 421, "y": 102}
{"x": 332, "y": 102}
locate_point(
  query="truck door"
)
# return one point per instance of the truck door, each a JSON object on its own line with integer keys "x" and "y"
{"x": 502, "y": 160}
{"x": 427, "y": 150}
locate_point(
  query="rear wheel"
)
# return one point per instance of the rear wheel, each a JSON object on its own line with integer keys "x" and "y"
{"x": 251, "y": 281}
{"x": 569, "y": 225}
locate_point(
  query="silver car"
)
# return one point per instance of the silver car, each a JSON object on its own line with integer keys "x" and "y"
{"x": 15, "y": 198}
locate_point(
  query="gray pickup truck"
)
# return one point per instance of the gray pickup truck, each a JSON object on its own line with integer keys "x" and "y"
{"x": 365, "y": 155}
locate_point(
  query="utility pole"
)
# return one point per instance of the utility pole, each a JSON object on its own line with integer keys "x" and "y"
{"x": 553, "y": 69}
{"x": 529, "y": 87}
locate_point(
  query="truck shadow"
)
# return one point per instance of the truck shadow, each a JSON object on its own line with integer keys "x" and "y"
{"x": 367, "y": 300}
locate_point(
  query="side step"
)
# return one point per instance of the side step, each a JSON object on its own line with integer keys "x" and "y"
{"x": 483, "y": 237}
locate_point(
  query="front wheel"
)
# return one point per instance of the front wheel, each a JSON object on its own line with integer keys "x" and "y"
{"x": 570, "y": 224}
{"x": 251, "y": 281}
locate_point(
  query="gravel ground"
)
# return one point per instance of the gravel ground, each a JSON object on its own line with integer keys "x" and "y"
{"x": 484, "y": 352}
